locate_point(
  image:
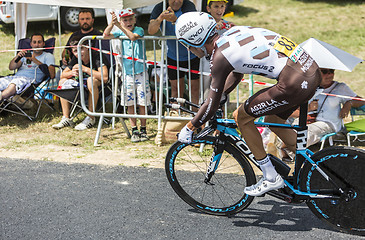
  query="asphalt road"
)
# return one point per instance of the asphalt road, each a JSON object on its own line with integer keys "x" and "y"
{"x": 49, "y": 200}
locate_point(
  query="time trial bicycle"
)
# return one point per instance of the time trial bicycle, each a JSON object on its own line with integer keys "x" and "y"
{"x": 211, "y": 173}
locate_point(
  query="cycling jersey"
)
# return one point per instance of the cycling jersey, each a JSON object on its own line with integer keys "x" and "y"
{"x": 248, "y": 50}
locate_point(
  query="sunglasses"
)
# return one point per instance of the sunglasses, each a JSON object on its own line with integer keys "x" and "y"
{"x": 327, "y": 71}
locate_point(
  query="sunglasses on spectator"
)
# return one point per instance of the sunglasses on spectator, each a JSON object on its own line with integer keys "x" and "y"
{"x": 327, "y": 71}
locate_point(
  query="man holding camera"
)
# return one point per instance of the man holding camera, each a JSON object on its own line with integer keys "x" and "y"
{"x": 27, "y": 63}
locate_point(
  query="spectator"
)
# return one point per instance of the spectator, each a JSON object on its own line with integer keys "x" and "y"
{"x": 216, "y": 8}
{"x": 330, "y": 110}
{"x": 176, "y": 8}
{"x": 69, "y": 79}
{"x": 86, "y": 22}
{"x": 26, "y": 65}
{"x": 134, "y": 80}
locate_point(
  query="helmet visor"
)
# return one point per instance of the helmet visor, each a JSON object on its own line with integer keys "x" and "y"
{"x": 184, "y": 43}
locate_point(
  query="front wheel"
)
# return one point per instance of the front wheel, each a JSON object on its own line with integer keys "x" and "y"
{"x": 346, "y": 167}
{"x": 186, "y": 166}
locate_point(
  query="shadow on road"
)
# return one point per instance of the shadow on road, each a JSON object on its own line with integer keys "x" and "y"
{"x": 281, "y": 217}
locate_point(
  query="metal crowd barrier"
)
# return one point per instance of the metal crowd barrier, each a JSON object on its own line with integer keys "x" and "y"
{"x": 154, "y": 67}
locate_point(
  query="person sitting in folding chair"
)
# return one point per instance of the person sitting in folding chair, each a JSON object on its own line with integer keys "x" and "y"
{"x": 69, "y": 79}
{"x": 29, "y": 66}
{"x": 331, "y": 110}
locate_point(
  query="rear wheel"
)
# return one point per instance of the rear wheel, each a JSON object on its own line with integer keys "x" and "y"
{"x": 186, "y": 167}
{"x": 346, "y": 167}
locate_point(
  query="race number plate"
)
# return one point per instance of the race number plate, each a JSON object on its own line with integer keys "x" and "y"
{"x": 289, "y": 48}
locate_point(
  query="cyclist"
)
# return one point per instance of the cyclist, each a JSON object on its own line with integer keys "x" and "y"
{"x": 249, "y": 50}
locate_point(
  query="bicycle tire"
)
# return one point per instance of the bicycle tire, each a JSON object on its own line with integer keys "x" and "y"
{"x": 346, "y": 166}
{"x": 186, "y": 167}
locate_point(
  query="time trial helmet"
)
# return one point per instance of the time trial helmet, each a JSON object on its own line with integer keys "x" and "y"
{"x": 194, "y": 28}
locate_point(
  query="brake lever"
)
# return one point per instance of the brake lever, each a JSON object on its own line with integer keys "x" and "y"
{"x": 177, "y": 106}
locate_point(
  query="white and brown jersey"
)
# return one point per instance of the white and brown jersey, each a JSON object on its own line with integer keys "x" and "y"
{"x": 250, "y": 51}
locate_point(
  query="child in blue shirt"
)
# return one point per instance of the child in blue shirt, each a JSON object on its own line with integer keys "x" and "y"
{"x": 136, "y": 89}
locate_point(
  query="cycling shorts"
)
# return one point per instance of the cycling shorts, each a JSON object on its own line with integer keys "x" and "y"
{"x": 293, "y": 88}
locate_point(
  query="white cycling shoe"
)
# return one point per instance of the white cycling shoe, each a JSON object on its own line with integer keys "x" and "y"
{"x": 264, "y": 186}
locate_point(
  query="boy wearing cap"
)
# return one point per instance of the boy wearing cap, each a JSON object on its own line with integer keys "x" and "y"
{"x": 216, "y": 8}
{"x": 136, "y": 89}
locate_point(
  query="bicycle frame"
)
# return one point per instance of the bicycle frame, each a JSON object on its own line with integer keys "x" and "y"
{"x": 228, "y": 132}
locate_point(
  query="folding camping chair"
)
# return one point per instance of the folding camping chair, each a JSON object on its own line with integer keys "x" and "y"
{"x": 356, "y": 128}
{"x": 27, "y": 96}
{"x": 72, "y": 95}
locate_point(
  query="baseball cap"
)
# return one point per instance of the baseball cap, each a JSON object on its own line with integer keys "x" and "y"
{"x": 209, "y": 1}
{"x": 126, "y": 12}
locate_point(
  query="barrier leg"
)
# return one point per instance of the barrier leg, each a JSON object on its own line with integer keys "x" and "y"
{"x": 97, "y": 136}
{"x": 159, "y": 124}
{"x": 125, "y": 127}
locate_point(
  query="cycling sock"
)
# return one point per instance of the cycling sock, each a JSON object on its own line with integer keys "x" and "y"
{"x": 267, "y": 168}
{"x": 134, "y": 129}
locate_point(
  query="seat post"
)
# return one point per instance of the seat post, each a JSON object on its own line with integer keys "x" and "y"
{"x": 303, "y": 112}
{"x": 301, "y": 140}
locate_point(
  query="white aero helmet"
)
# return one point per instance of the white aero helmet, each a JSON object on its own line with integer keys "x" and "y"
{"x": 194, "y": 28}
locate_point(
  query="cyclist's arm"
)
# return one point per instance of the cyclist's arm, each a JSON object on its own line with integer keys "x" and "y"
{"x": 232, "y": 81}
{"x": 221, "y": 71}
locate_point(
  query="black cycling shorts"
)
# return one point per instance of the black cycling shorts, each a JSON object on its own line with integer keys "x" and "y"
{"x": 194, "y": 65}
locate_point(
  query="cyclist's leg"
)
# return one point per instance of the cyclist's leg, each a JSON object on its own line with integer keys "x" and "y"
{"x": 248, "y": 130}
{"x": 288, "y": 136}
{"x": 271, "y": 179}
{"x": 268, "y": 101}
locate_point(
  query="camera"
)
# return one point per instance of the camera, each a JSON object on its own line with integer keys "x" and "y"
{"x": 28, "y": 54}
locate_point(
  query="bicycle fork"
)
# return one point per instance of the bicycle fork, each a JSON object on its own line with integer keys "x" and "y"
{"x": 214, "y": 160}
